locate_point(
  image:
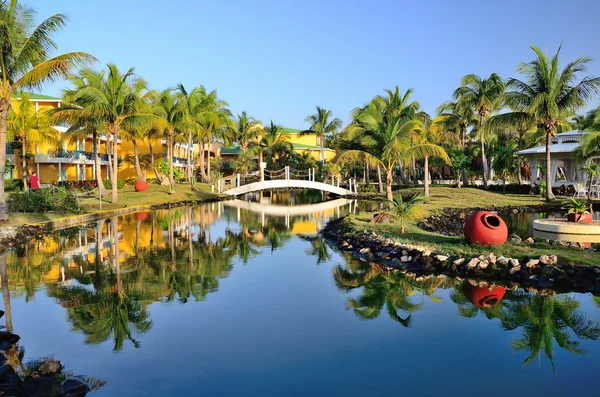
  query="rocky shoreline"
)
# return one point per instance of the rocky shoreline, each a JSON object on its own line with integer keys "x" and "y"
{"x": 540, "y": 273}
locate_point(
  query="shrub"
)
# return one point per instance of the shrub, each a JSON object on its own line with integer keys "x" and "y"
{"x": 80, "y": 185}
{"x": 44, "y": 200}
{"x": 108, "y": 184}
{"x": 13, "y": 185}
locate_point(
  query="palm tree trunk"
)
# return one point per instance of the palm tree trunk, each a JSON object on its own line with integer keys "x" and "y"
{"x": 207, "y": 162}
{"x": 4, "y": 108}
{"x": 98, "y": 171}
{"x": 464, "y": 171}
{"x": 367, "y": 173}
{"x": 483, "y": 159}
{"x": 189, "y": 158}
{"x": 549, "y": 194}
{"x": 170, "y": 154}
{"x": 138, "y": 169}
{"x": 403, "y": 178}
{"x": 5, "y": 291}
{"x": 519, "y": 176}
{"x": 322, "y": 149}
{"x": 388, "y": 181}
{"x": 115, "y": 160}
{"x": 426, "y": 177}
{"x": 414, "y": 170}
{"x": 24, "y": 163}
{"x": 379, "y": 178}
{"x": 202, "y": 170}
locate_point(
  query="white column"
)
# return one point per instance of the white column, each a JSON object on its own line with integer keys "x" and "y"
{"x": 59, "y": 172}
{"x": 237, "y": 178}
{"x": 78, "y": 171}
{"x": 37, "y": 168}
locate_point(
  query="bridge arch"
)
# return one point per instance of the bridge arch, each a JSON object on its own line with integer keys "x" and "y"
{"x": 287, "y": 184}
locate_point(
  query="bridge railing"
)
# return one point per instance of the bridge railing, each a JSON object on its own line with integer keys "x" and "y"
{"x": 286, "y": 173}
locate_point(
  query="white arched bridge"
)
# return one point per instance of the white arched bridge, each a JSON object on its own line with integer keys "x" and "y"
{"x": 286, "y": 178}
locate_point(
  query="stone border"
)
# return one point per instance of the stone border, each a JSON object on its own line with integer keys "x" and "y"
{"x": 545, "y": 272}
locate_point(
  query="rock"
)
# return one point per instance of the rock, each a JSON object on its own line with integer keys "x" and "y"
{"x": 404, "y": 252}
{"x": 350, "y": 247}
{"x": 472, "y": 263}
{"x": 529, "y": 240}
{"x": 459, "y": 261}
{"x": 426, "y": 252}
{"x": 74, "y": 388}
{"x": 404, "y": 258}
{"x": 9, "y": 337}
{"x": 501, "y": 260}
{"x": 514, "y": 262}
{"x": 492, "y": 258}
{"x": 482, "y": 257}
{"x": 365, "y": 250}
{"x": 8, "y": 375}
{"x": 515, "y": 270}
{"x": 50, "y": 367}
{"x": 441, "y": 258}
{"x": 548, "y": 260}
{"x": 483, "y": 264}
{"x": 46, "y": 387}
{"x": 515, "y": 238}
{"x": 532, "y": 263}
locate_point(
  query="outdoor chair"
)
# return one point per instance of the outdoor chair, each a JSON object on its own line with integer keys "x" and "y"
{"x": 580, "y": 190}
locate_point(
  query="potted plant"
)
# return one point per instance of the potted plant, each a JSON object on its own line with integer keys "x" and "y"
{"x": 578, "y": 211}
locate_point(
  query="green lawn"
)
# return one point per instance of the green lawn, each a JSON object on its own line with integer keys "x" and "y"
{"x": 444, "y": 197}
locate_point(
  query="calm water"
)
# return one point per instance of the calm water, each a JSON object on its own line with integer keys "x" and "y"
{"x": 242, "y": 298}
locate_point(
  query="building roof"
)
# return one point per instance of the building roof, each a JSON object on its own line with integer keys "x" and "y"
{"x": 38, "y": 97}
{"x": 230, "y": 150}
{"x": 300, "y": 146}
{"x": 555, "y": 148}
{"x": 565, "y": 142}
{"x": 290, "y": 131}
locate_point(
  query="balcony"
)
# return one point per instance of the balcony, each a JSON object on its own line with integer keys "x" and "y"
{"x": 71, "y": 157}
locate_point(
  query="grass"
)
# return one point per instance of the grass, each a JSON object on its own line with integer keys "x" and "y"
{"x": 443, "y": 197}
{"x": 128, "y": 197}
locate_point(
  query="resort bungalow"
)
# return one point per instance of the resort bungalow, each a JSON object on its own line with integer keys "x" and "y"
{"x": 564, "y": 168}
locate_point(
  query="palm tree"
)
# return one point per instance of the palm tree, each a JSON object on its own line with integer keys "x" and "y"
{"x": 592, "y": 170}
{"x": 29, "y": 128}
{"x": 244, "y": 130}
{"x": 192, "y": 103}
{"x": 433, "y": 131}
{"x": 26, "y": 63}
{"x": 404, "y": 210}
{"x": 546, "y": 97}
{"x": 112, "y": 100}
{"x": 170, "y": 108}
{"x": 271, "y": 140}
{"x": 483, "y": 96}
{"x": 322, "y": 127}
{"x": 138, "y": 131}
{"x": 386, "y": 140}
{"x": 82, "y": 122}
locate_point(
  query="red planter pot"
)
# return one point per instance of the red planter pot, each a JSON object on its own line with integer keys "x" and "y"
{"x": 141, "y": 216}
{"x": 140, "y": 186}
{"x": 577, "y": 218}
{"x": 485, "y": 228}
{"x": 483, "y": 297}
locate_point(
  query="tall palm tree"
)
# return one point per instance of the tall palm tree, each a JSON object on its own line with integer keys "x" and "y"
{"x": 244, "y": 130}
{"x": 547, "y": 96}
{"x": 271, "y": 140}
{"x": 460, "y": 118}
{"x": 433, "y": 131}
{"x": 26, "y": 63}
{"x": 82, "y": 123}
{"x": 322, "y": 126}
{"x": 386, "y": 140}
{"x": 170, "y": 108}
{"x": 483, "y": 96}
{"x": 29, "y": 128}
{"x": 112, "y": 99}
{"x": 192, "y": 103}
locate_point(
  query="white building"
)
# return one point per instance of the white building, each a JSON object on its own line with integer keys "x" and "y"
{"x": 564, "y": 169}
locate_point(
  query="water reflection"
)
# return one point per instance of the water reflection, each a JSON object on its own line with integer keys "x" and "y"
{"x": 108, "y": 277}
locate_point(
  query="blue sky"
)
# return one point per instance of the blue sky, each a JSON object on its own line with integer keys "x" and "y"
{"x": 278, "y": 59}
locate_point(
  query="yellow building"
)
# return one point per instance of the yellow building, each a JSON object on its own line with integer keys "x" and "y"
{"x": 64, "y": 160}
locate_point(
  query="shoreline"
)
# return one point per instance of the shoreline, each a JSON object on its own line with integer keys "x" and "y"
{"x": 546, "y": 272}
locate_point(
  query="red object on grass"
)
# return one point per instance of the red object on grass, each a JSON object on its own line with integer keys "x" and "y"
{"x": 140, "y": 186}
{"x": 485, "y": 228}
{"x": 483, "y": 297}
